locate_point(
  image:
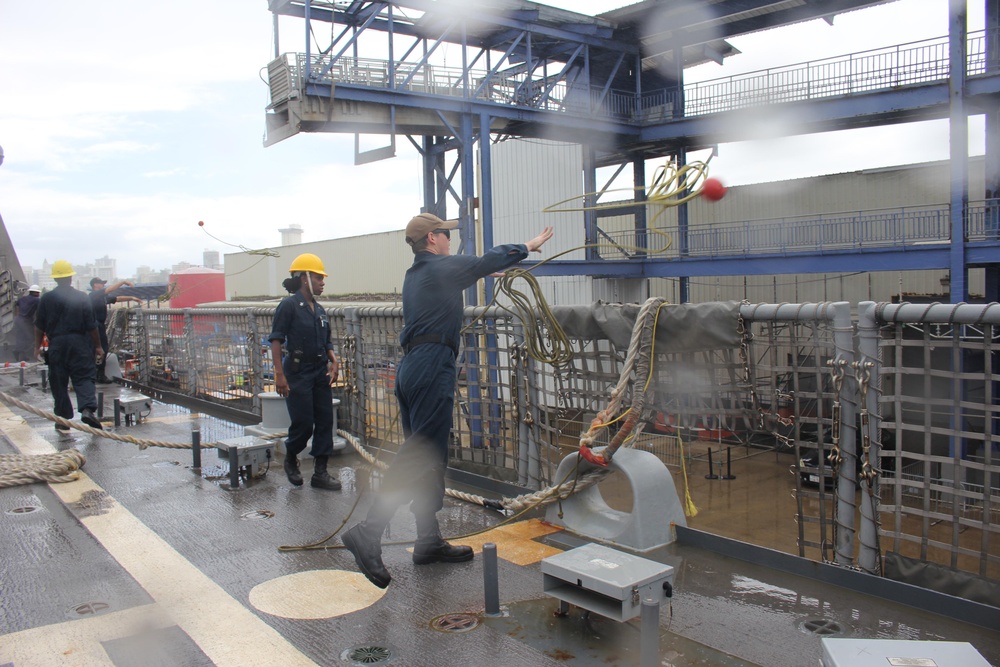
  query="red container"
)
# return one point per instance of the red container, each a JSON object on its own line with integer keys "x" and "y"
{"x": 195, "y": 286}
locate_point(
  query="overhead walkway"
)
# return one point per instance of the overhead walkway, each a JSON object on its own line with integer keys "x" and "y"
{"x": 830, "y": 243}
{"x": 350, "y": 94}
{"x": 609, "y": 84}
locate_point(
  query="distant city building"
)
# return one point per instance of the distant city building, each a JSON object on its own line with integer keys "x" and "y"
{"x": 210, "y": 259}
{"x": 145, "y": 275}
{"x": 291, "y": 235}
{"x": 105, "y": 268}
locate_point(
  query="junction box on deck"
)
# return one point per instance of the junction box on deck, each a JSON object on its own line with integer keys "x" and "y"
{"x": 606, "y": 581}
{"x": 132, "y": 406}
{"x": 246, "y": 454}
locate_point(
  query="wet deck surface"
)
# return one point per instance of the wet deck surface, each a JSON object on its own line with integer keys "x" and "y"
{"x": 147, "y": 561}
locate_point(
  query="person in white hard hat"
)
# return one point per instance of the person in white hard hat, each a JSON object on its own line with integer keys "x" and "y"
{"x": 24, "y": 324}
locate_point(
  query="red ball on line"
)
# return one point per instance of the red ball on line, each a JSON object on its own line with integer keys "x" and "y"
{"x": 713, "y": 189}
{"x": 201, "y": 223}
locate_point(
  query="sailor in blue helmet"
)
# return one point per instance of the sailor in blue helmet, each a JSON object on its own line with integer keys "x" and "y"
{"x": 425, "y": 390}
{"x": 305, "y": 370}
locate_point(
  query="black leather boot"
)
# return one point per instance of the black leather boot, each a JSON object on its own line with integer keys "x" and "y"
{"x": 88, "y": 418}
{"x": 321, "y": 478}
{"x": 292, "y": 470}
{"x": 430, "y": 547}
{"x": 365, "y": 542}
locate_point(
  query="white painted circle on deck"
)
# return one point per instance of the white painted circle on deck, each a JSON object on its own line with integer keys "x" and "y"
{"x": 315, "y": 594}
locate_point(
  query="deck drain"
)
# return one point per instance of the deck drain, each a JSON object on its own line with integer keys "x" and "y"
{"x": 823, "y": 627}
{"x": 27, "y": 509}
{"x": 368, "y": 655}
{"x": 457, "y": 622}
{"x": 258, "y": 514}
{"x": 90, "y": 608}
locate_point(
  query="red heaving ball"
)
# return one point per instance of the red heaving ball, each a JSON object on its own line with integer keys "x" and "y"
{"x": 713, "y": 189}
{"x": 201, "y": 223}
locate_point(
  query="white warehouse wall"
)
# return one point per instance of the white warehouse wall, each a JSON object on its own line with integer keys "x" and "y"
{"x": 530, "y": 175}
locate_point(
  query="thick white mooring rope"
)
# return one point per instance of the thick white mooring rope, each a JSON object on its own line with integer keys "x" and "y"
{"x": 17, "y": 469}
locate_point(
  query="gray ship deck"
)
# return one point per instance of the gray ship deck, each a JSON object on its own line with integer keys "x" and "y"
{"x": 146, "y": 561}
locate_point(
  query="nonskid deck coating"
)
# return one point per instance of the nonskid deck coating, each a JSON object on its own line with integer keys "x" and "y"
{"x": 179, "y": 571}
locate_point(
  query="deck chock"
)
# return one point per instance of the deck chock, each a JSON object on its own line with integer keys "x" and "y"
{"x": 655, "y": 504}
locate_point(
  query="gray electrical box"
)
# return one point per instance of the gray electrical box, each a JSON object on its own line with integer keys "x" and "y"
{"x": 842, "y": 652}
{"x": 134, "y": 406}
{"x": 605, "y": 581}
{"x": 250, "y": 453}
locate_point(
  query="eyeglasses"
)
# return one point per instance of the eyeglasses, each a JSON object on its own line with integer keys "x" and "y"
{"x": 446, "y": 232}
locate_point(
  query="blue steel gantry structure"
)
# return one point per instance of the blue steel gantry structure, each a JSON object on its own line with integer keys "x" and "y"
{"x": 615, "y": 84}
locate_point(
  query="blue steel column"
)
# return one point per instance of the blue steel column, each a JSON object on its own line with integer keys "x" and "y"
{"x": 639, "y": 183}
{"x": 430, "y": 175}
{"x": 992, "y": 157}
{"x": 466, "y": 225}
{"x": 589, "y": 199}
{"x": 308, "y": 18}
{"x": 486, "y": 220}
{"x": 959, "y": 154}
{"x": 684, "y": 283}
{"x": 486, "y": 187}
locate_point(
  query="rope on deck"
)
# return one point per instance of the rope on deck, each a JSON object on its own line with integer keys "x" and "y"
{"x": 17, "y": 469}
{"x": 517, "y": 504}
{"x": 80, "y": 426}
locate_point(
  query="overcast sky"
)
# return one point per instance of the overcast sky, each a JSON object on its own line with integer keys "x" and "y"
{"x": 124, "y": 124}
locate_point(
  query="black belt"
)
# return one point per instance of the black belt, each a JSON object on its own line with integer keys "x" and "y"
{"x": 319, "y": 359}
{"x": 427, "y": 339}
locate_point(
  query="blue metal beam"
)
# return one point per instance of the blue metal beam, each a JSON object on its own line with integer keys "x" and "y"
{"x": 886, "y": 259}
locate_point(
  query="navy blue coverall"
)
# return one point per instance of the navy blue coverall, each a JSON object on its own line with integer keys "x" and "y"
{"x": 99, "y": 299}
{"x": 66, "y": 317}
{"x": 24, "y": 327}
{"x": 306, "y": 335}
{"x": 426, "y": 376}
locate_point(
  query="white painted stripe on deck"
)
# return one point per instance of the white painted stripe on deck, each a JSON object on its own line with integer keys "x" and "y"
{"x": 188, "y": 598}
{"x": 77, "y": 642}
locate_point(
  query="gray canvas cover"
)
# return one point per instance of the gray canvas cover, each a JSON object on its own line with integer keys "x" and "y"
{"x": 679, "y": 327}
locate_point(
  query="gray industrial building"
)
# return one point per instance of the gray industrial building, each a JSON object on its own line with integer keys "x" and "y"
{"x": 531, "y": 175}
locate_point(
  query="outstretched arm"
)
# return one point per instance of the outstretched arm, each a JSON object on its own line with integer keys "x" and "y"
{"x": 535, "y": 244}
{"x": 118, "y": 284}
